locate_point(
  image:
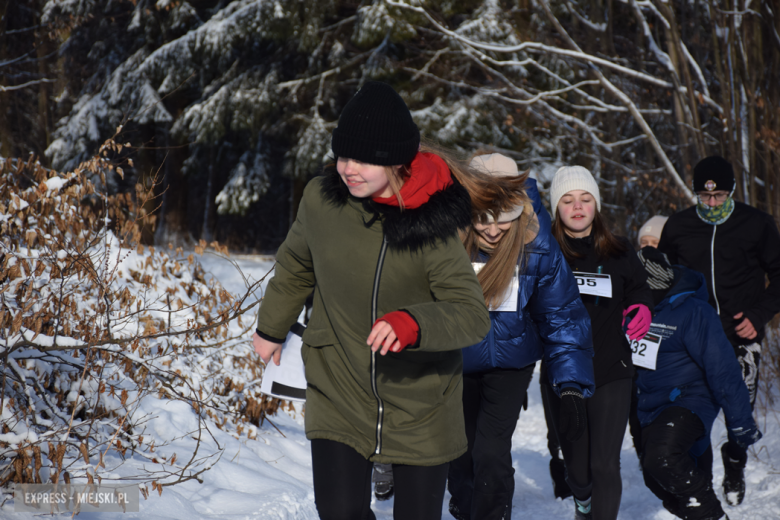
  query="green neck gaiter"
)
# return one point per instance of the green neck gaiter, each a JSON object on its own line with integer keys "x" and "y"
{"x": 716, "y": 215}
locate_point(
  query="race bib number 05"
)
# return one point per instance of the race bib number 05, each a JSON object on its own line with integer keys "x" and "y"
{"x": 594, "y": 284}
{"x": 644, "y": 352}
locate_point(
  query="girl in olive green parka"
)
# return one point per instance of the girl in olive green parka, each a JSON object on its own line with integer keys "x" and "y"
{"x": 395, "y": 299}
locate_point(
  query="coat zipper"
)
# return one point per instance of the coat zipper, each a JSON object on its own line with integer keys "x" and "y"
{"x": 712, "y": 264}
{"x": 374, "y": 299}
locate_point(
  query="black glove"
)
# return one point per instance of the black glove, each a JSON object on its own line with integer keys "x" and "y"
{"x": 746, "y": 436}
{"x": 573, "y": 420}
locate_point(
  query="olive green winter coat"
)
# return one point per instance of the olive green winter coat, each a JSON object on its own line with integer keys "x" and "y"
{"x": 400, "y": 408}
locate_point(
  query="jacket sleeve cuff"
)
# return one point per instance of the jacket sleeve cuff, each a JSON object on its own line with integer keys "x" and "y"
{"x": 571, "y": 385}
{"x": 755, "y": 318}
{"x": 269, "y": 338}
{"x": 406, "y": 329}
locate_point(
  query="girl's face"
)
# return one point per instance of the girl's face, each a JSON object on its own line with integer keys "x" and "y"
{"x": 648, "y": 240}
{"x": 577, "y": 210}
{"x": 363, "y": 179}
{"x": 492, "y": 233}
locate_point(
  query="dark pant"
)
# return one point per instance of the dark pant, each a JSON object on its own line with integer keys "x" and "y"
{"x": 342, "y": 485}
{"x": 749, "y": 357}
{"x": 482, "y": 481}
{"x": 634, "y": 426}
{"x": 670, "y": 471}
{"x": 593, "y": 461}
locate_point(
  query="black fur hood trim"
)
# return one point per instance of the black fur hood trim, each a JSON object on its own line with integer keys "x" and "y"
{"x": 441, "y": 217}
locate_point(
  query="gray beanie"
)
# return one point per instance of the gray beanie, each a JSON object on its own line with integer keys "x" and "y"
{"x": 652, "y": 227}
{"x": 570, "y": 178}
{"x": 498, "y": 165}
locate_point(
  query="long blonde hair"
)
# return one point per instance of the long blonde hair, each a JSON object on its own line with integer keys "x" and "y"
{"x": 493, "y": 195}
{"x": 397, "y": 180}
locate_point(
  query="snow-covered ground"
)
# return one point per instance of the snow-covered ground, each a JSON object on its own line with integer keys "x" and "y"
{"x": 270, "y": 478}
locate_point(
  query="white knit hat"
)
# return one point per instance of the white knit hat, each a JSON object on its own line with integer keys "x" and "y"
{"x": 570, "y": 178}
{"x": 498, "y": 165}
{"x": 652, "y": 227}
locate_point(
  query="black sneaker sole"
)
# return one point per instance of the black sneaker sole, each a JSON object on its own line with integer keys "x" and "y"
{"x": 384, "y": 496}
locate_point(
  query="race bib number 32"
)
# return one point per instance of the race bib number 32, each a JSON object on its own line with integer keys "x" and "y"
{"x": 594, "y": 284}
{"x": 644, "y": 352}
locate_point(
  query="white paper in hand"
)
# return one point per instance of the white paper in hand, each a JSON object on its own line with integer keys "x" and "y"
{"x": 288, "y": 380}
{"x": 509, "y": 301}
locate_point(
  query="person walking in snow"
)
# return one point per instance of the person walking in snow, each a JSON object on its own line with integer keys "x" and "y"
{"x": 737, "y": 248}
{"x": 613, "y": 287}
{"x": 535, "y": 312}
{"x": 690, "y": 374}
{"x": 648, "y": 236}
{"x": 395, "y": 299}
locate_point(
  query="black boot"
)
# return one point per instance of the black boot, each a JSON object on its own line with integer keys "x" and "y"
{"x": 558, "y": 473}
{"x": 456, "y": 512}
{"x": 734, "y": 475}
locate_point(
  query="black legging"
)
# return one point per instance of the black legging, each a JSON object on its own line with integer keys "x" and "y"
{"x": 342, "y": 485}
{"x": 481, "y": 481}
{"x": 593, "y": 462}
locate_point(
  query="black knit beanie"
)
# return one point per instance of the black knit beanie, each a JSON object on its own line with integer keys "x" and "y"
{"x": 376, "y": 127}
{"x": 713, "y": 173}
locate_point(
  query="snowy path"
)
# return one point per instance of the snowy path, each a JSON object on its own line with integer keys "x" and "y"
{"x": 270, "y": 478}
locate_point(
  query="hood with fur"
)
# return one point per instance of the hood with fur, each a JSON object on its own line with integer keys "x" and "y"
{"x": 441, "y": 217}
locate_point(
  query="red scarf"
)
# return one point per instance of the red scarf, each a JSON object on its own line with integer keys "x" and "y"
{"x": 428, "y": 174}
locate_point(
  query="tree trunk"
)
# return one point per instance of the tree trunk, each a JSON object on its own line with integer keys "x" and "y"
{"x": 207, "y": 233}
{"x": 161, "y": 234}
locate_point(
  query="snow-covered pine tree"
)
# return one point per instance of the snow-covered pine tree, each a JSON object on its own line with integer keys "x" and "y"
{"x": 630, "y": 91}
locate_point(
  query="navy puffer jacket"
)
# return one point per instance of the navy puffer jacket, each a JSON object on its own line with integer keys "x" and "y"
{"x": 551, "y": 321}
{"x": 696, "y": 367}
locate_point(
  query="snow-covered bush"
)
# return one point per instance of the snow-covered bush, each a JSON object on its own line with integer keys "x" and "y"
{"x": 92, "y": 325}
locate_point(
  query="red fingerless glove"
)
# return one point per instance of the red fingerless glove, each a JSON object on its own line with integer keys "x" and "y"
{"x": 406, "y": 329}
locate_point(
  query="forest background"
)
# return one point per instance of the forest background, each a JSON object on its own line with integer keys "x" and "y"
{"x": 135, "y": 135}
{"x": 228, "y": 106}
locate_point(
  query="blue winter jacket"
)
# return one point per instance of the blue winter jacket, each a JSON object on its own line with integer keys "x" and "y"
{"x": 696, "y": 367}
{"x": 550, "y": 321}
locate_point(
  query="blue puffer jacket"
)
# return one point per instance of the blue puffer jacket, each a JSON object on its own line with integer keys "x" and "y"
{"x": 696, "y": 367}
{"x": 550, "y": 321}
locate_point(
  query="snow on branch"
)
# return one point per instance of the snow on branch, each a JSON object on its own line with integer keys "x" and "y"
{"x": 660, "y": 55}
{"x": 572, "y": 7}
{"x": 640, "y": 120}
{"x": 536, "y": 46}
{"x": 98, "y": 335}
{"x": 25, "y": 85}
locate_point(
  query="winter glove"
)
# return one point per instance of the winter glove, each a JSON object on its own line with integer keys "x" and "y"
{"x": 573, "y": 420}
{"x": 746, "y": 436}
{"x": 406, "y": 329}
{"x": 639, "y": 324}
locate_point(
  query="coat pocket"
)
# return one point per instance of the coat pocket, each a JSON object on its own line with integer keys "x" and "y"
{"x": 450, "y": 371}
{"x": 318, "y": 336}
{"x": 306, "y": 349}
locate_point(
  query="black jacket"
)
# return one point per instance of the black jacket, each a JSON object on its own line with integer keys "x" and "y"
{"x": 737, "y": 254}
{"x": 612, "y": 360}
